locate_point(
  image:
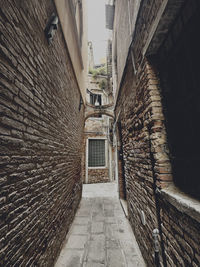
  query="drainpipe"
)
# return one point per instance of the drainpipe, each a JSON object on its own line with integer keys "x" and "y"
{"x": 156, "y": 232}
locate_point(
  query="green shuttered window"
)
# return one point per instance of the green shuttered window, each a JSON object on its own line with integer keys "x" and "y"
{"x": 96, "y": 153}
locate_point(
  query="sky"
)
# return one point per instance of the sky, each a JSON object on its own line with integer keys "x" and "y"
{"x": 97, "y": 33}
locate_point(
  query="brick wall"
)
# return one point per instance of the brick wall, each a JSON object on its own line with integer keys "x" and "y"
{"x": 98, "y": 175}
{"x": 122, "y": 185}
{"x": 120, "y": 164}
{"x": 40, "y": 136}
{"x": 83, "y": 165}
{"x": 146, "y": 156}
{"x": 135, "y": 105}
{"x": 181, "y": 235}
{"x": 147, "y": 166}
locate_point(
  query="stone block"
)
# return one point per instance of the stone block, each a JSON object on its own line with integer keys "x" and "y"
{"x": 115, "y": 258}
{"x": 96, "y": 251}
{"x": 77, "y": 241}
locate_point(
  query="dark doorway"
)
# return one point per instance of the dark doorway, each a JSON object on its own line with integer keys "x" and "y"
{"x": 180, "y": 83}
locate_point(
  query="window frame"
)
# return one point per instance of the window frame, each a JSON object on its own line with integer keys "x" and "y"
{"x": 96, "y": 95}
{"x": 106, "y": 156}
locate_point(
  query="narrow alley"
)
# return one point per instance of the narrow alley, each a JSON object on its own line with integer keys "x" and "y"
{"x": 100, "y": 234}
{"x": 99, "y": 133}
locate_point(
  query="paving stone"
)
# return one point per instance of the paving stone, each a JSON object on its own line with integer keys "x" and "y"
{"x": 98, "y": 217}
{"x": 81, "y": 220}
{"x": 100, "y": 236}
{"x": 77, "y": 241}
{"x": 115, "y": 258}
{"x": 100, "y": 190}
{"x": 97, "y": 227}
{"x": 84, "y": 212}
{"x": 111, "y": 231}
{"x": 79, "y": 230}
{"x": 70, "y": 258}
{"x": 97, "y": 249}
{"x": 129, "y": 247}
{"x": 112, "y": 243}
{"x": 109, "y": 213}
{"x": 93, "y": 264}
{"x": 98, "y": 206}
{"x": 134, "y": 262}
{"x": 110, "y": 220}
{"x": 119, "y": 214}
{"x": 108, "y": 206}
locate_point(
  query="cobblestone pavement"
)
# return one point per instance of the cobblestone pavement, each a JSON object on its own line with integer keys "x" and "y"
{"x": 100, "y": 234}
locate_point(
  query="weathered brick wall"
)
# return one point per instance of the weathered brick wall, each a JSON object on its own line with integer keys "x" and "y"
{"x": 120, "y": 165}
{"x": 146, "y": 163}
{"x": 181, "y": 236}
{"x": 145, "y": 149}
{"x": 147, "y": 14}
{"x": 98, "y": 175}
{"x": 83, "y": 161}
{"x": 122, "y": 190}
{"x": 40, "y": 134}
{"x": 138, "y": 100}
{"x": 147, "y": 166}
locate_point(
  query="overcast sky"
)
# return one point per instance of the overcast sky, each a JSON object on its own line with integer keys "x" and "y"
{"x": 97, "y": 32}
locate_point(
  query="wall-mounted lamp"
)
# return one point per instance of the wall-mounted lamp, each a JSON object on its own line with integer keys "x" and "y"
{"x": 51, "y": 28}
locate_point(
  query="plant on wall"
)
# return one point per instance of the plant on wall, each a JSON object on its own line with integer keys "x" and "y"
{"x": 98, "y": 71}
{"x": 103, "y": 84}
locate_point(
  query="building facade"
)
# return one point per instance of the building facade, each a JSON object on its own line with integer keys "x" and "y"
{"x": 98, "y": 154}
{"x": 156, "y": 81}
{"x": 42, "y": 88}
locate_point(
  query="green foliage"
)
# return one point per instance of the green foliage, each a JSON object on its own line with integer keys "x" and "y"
{"x": 102, "y": 70}
{"x": 98, "y": 71}
{"x": 95, "y": 74}
{"x": 103, "y": 84}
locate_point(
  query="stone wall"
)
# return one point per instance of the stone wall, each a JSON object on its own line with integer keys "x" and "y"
{"x": 40, "y": 136}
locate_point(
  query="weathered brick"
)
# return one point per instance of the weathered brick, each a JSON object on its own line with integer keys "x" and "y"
{"x": 98, "y": 175}
{"x": 146, "y": 157}
{"x": 40, "y": 137}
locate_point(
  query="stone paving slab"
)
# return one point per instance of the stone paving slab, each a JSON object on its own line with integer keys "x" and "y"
{"x": 100, "y": 234}
{"x": 92, "y": 264}
{"x": 79, "y": 229}
{"x": 97, "y": 227}
{"x": 115, "y": 258}
{"x": 77, "y": 241}
{"x": 97, "y": 250}
{"x": 70, "y": 257}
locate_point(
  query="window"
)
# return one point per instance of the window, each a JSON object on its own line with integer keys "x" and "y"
{"x": 95, "y": 98}
{"x": 96, "y": 153}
